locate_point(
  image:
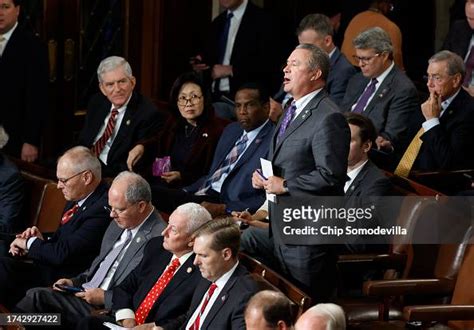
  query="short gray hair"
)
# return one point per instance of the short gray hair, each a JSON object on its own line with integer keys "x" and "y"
{"x": 111, "y": 63}
{"x": 317, "y": 22}
{"x": 319, "y": 59}
{"x": 334, "y": 314}
{"x": 3, "y": 137}
{"x": 454, "y": 61}
{"x": 195, "y": 214}
{"x": 375, "y": 38}
{"x": 82, "y": 159}
{"x": 138, "y": 189}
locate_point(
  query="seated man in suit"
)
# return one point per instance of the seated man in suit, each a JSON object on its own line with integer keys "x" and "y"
{"x": 322, "y": 317}
{"x": 446, "y": 137}
{"x": 137, "y": 301}
{"x": 228, "y": 185}
{"x": 381, "y": 91}
{"x": 77, "y": 241}
{"x": 220, "y": 298}
{"x": 136, "y": 222}
{"x": 119, "y": 118}
{"x": 317, "y": 29}
{"x": 11, "y": 197}
{"x": 269, "y": 310}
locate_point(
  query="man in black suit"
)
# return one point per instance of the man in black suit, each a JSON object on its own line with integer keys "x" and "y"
{"x": 246, "y": 53}
{"x": 220, "y": 298}
{"x": 131, "y": 298}
{"x": 317, "y": 29}
{"x": 119, "y": 118}
{"x": 23, "y": 84}
{"x": 308, "y": 152}
{"x": 269, "y": 310}
{"x": 448, "y": 127}
{"x": 459, "y": 36}
{"x": 77, "y": 241}
{"x": 136, "y": 222}
{"x": 381, "y": 92}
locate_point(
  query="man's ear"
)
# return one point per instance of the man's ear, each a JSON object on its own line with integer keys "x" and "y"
{"x": 191, "y": 243}
{"x": 367, "y": 146}
{"x": 227, "y": 254}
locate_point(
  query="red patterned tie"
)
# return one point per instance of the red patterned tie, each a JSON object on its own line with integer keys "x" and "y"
{"x": 100, "y": 144}
{"x": 211, "y": 290}
{"x": 152, "y": 295}
{"x": 69, "y": 214}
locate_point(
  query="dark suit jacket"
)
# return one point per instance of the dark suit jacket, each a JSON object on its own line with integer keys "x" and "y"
{"x": 152, "y": 227}
{"x": 458, "y": 38}
{"x": 11, "y": 196}
{"x": 237, "y": 191}
{"x": 75, "y": 244}
{"x": 448, "y": 146}
{"x": 23, "y": 90}
{"x": 228, "y": 309}
{"x": 140, "y": 121}
{"x": 253, "y": 54}
{"x": 390, "y": 108}
{"x": 340, "y": 72}
{"x": 175, "y": 298}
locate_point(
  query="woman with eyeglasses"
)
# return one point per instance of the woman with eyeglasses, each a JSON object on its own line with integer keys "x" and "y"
{"x": 188, "y": 138}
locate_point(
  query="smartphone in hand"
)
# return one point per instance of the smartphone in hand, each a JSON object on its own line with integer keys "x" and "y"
{"x": 70, "y": 289}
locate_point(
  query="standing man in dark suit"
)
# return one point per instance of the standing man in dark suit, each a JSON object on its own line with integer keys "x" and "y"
{"x": 445, "y": 140}
{"x": 77, "y": 241}
{"x": 241, "y": 48}
{"x": 317, "y": 29}
{"x": 381, "y": 91}
{"x": 136, "y": 222}
{"x": 23, "y": 84}
{"x": 119, "y": 118}
{"x": 220, "y": 298}
{"x": 228, "y": 185}
{"x": 309, "y": 155}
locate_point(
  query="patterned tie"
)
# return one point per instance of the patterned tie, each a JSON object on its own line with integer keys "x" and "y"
{"x": 361, "y": 104}
{"x": 109, "y": 129}
{"x": 469, "y": 67}
{"x": 224, "y": 168}
{"x": 223, "y": 38}
{"x": 152, "y": 295}
{"x": 2, "y": 44}
{"x": 108, "y": 261}
{"x": 289, "y": 115}
{"x": 406, "y": 163}
{"x": 69, "y": 214}
{"x": 196, "y": 322}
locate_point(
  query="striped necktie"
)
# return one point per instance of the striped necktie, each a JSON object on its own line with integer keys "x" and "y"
{"x": 109, "y": 129}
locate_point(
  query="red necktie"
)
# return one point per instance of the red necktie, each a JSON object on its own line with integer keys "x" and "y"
{"x": 152, "y": 295}
{"x": 100, "y": 144}
{"x": 211, "y": 290}
{"x": 69, "y": 214}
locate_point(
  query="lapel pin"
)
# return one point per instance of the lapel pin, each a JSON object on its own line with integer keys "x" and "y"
{"x": 257, "y": 141}
{"x": 205, "y": 135}
{"x": 127, "y": 122}
{"x": 139, "y": 239}
{"x": 189, "y": 270}
{"x": 84, "y": 208}
{"x": 451, "y": 112}
{"x": 352, "y": 188}
{"x": 223, "y": 298}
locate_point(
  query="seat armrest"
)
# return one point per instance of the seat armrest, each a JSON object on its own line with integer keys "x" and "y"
{"x": 385, "y": 261}
{"x": 408, "y": 286}
{"x": 440, "y": 313}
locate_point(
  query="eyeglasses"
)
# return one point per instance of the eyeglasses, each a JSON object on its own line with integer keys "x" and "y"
{"x": 118, "y": 211}
{"x": 365, "y": 59}
{"x": 436, "y": 78}
{"x": 64, "y": 181}
{"x": 193, "y": 99}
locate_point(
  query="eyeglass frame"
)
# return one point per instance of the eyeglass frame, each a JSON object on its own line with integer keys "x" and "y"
{"x": 65, "y": 181}
{"x": 436, "y": 78}
{"x": 118, "y": 211}
{"x": 182, "y": 98}
{"x": 365, "y": 59}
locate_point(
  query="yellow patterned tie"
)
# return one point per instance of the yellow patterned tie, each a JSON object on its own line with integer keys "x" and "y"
{"x": 408, "y": 159}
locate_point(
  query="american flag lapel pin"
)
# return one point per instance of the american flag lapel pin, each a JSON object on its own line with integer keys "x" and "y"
{"x": 189, "y": 270}
{"x": 127, "y": 122}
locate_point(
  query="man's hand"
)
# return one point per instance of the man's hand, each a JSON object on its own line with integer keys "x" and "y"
{"x": 274, "y": 185}
{"x": 134, "y": 155}
{"x": 128, "y": 323}
{"x": 171, "y": 176}
{"x": 146, "y": 326}
{"x": 214, "y": 208}
{"x": 30, "y": 232}
{"x": 62, "y": 281}
{"x": 18, "y": 247}
{"x": 431, "y": 108}
{"x": 197, "y": 65}
{"x": 221, "y": 71}
{"x": 29, "y": 153}
{"x": 383, "y": 144}
{"x": 258, "y": 182}
{"x": 93, "y": 296}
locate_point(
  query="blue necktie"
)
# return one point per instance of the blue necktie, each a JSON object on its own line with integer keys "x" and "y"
{"x": 289, "y": 115}
{"x": 362, "y": 103}
{"x": 223, "y": 38}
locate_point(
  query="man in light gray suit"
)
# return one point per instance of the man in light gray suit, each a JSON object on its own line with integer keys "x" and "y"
{"x": 309, "y": 155}
{"x": 136, "y": 222}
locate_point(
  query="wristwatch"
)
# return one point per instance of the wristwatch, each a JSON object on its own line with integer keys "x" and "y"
{"x": 285, "y": 185}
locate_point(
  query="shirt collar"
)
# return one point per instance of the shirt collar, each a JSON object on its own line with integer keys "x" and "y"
{"x": 253, "y": 133}
{"x": 183, "y": 258}
{"x": 123, "y": 107}
{"x": 239, "y": 12}
{"x": 221, "y": 281}
{"x": 8, "y": 35}
{"x": 445, "y": 104}
{"x": 353, "y": 173}
{"x": 384, "y": 74}
{"x": 303, "y": 101}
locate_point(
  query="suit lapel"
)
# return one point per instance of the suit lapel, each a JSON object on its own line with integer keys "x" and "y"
{"x": 357, "y": 180}
{"x": 380, "y": 93}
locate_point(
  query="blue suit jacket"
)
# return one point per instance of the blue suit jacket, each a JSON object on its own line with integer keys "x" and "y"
{"x": 340, "y": 72}
{"x": 237, "y": 191}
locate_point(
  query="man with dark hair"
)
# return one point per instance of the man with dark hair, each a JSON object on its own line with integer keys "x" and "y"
{"x": 381, "y": 91}
{"x": 317, "y": 29}
{"x": 227, "y": 186}
{"x": 269, "y": 310}
{"x": 23, "y": 86}
{"x": 220, "y": 298}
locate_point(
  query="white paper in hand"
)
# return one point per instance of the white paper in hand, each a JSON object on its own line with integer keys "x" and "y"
{"x": 267, "y": 171}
